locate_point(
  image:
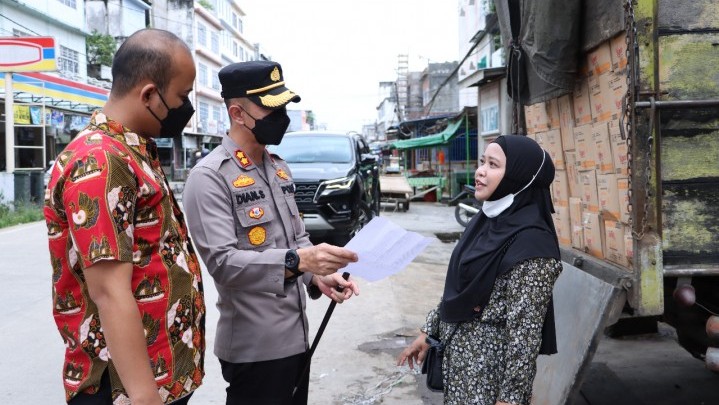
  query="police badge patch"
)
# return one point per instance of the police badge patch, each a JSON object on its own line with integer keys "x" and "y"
{"x": 257, "y": 235}
{"x": 256, "y": 212}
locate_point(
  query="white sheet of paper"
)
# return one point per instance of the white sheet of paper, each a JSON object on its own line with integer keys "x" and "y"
{"x": 383, "y": 248}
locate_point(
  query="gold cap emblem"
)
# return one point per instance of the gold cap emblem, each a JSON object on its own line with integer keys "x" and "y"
{"x": 275, "y": 75}
{"x": 243, "y": 181}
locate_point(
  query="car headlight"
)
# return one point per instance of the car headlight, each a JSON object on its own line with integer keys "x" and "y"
{"x": 336, "y": 186}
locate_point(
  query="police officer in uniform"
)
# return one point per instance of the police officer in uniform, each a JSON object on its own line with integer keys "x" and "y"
{"x": 241, "y": 212}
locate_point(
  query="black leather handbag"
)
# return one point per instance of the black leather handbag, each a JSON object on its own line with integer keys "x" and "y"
{"x": 432, "y": 364}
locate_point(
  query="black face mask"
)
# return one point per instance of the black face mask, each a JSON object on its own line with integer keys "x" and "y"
{"x": 176, "y": 120}
{"x": 271, "y": 129}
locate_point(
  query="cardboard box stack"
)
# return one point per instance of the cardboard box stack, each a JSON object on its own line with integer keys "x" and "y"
{"x": 582, "y": 134}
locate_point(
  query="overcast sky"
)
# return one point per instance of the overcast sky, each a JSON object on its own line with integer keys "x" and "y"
{"x": 334, "y": 53}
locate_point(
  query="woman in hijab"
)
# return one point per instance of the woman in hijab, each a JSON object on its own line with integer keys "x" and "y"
{"x": 497, "y": 301}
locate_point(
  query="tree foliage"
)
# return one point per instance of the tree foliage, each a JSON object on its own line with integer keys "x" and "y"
{"x": 100, "y": 48}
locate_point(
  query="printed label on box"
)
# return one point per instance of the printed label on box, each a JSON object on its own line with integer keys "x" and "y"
{"x": 581, "y": 103}
{"x": 603, "y": 149}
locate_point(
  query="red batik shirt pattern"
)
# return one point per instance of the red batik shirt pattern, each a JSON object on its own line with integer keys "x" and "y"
{"x": 108, "y": 199}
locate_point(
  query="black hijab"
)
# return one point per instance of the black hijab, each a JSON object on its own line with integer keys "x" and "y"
{"x": 490, "y": 247}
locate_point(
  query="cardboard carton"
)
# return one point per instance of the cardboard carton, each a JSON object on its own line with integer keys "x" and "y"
{"x": 570, "y": 163}
{"x": 581, "y": 104}
{"x": 560, "y": 189}
{"x": 593, "y": 234}
{"x": 575, "y": 223}
{"x": 623, "y": 197}
{"x": 566, "y": 121}
{"x": 608, "y": 196}
{"x": 541, "y": 117}
{"x": 552, "y": 143}
{"x": 615, "y": 92}
{"x": 602, "y": 148}
{"x": 615, "y": 249}
{"x": 599, "y": 95}
{"x": 530, "y": 119}
{"x": 629, "y": 246}
{"x": 600, "y": 59}
{"x": 552, "y": 109}
{"x": 562, "y": 225}
{"x": 590, "y": 196}
{"x": 620, "y": 149}
{"x": 586, "y": 152}
{"x": 618, "y": 46}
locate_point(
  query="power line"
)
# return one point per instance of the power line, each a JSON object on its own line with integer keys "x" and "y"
{"x": 18, "y": 24}
{"x": 450, "y": 76}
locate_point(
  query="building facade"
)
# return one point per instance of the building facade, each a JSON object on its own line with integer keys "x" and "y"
{"x": 46, "y": 108}
{"x": 481, "y": 76}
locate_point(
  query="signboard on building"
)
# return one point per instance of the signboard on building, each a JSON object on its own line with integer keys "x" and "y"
{"x": 21, "y": 114}
{"x": 27, "y": 54}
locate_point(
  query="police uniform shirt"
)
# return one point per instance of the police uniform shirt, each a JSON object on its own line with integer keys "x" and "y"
{"x": 243, "y": 217}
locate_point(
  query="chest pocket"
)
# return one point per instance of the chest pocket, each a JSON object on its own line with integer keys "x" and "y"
{"x": 254, "y": 226}
{"x": 298, "y": 225}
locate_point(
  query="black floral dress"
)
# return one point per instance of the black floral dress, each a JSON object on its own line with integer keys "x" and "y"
{"x": 493, "y": 358}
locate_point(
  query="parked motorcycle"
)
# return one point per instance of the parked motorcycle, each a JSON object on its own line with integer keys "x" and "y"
{"x": 466, "y": 206}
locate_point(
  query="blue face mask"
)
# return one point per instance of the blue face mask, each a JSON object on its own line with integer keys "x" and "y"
{"x": 493, "y": 208}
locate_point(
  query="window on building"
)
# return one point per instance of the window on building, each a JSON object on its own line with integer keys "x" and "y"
{"x": 204, "y": 112}
{"x": 234, "y": 20}
{"x": 69, "y": 3}
{"x": 242, "y": 54}
{"x": 239, "y": 25}
{"x": 202, "y": 74}
{"x": 215, "y": 80}
{"x": 201, "y": 34}
{"x": 215, "y": 42}
{"x": 69, "y": 61}
{"x": 217, "y": 117}
{"x": 490, "y": 119}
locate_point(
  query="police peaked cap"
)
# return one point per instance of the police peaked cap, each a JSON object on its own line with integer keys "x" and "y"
{"x": 260, "y": 81}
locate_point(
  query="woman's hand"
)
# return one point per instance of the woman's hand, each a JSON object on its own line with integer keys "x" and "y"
{"x": 415, "y": 352}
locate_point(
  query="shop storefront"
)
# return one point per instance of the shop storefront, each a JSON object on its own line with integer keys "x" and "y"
{"x": 47, "y": 112}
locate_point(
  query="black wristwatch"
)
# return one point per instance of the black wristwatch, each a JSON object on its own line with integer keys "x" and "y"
{"x": 292, "y": 262}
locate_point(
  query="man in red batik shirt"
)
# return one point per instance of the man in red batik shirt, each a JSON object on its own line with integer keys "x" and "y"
{"x": 127, "y": 289}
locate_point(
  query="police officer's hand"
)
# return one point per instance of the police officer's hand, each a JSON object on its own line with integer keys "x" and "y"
{"x": 324, "y": 259}
{"x": 328, "y": 286}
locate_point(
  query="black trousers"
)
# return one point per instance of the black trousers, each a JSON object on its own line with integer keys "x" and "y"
{"x": 266, "y": 382}
{"x": 104, "y": 395}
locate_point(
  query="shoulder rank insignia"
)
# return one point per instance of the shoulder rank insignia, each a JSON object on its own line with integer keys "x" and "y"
{"x": 257, "y": 235}
{"x": 256, "y": 212}
{"x": 243, "y": 181}
{"x": 242, "y": 158}
{"x": 282, "y": 174}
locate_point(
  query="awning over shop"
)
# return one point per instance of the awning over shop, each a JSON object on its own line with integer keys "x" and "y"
{"x": 56, "y": 92}
{"x": 442, "y": 138}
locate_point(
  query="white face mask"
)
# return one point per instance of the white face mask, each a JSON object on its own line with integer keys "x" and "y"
{"x": 496, "y": 207}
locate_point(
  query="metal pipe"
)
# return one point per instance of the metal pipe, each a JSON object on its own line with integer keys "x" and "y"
{"x": 671, "y": 271}
{"x": 677, "y": 104}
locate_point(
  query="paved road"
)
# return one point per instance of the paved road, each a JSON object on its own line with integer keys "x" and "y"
{"x": 354, "y": 363}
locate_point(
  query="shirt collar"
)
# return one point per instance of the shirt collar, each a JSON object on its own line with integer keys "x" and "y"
{"x": 123, "y": 134}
